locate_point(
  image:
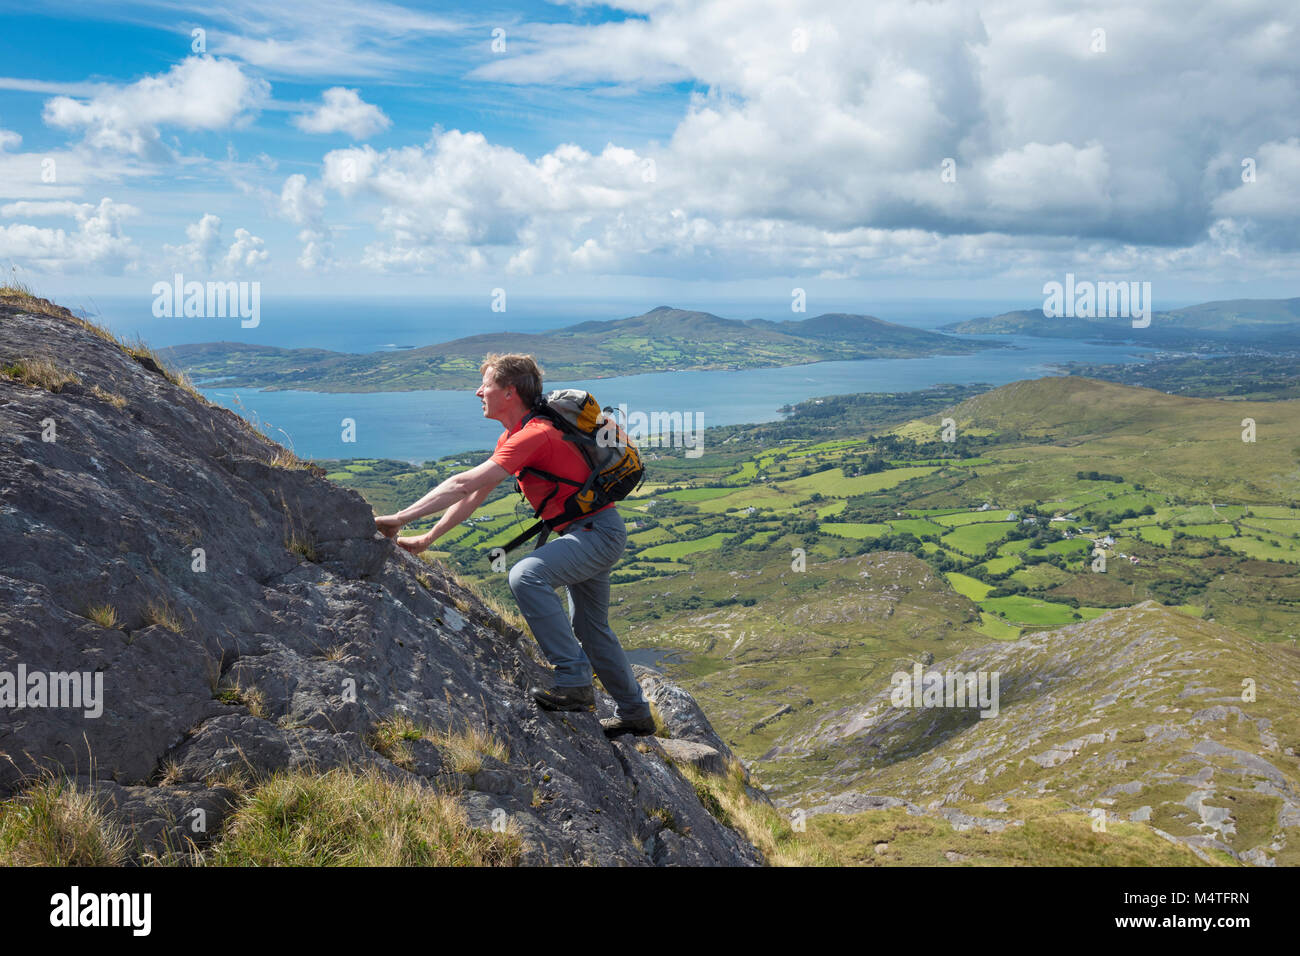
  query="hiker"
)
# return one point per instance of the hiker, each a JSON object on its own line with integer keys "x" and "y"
{"x": 579, "y": 556}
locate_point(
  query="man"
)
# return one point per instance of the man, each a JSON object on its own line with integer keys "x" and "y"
{"x": 579, "y": 555}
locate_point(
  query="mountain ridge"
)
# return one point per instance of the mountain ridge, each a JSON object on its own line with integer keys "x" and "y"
{"x": 663, "y": 338}
{"x": 1226, "y": 322}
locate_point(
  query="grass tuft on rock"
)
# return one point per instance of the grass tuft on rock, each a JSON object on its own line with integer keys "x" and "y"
{"x": 236, "y": 695}
{"x": 105, "y": 615}
{"x": 159, "y": 611}
{"x": 39, "y": 373}
{"x": 347, "y": 818}
{"x": 727, "y": 800}
{"x": 463, "y": 750}
{"x": 54, "y": 823}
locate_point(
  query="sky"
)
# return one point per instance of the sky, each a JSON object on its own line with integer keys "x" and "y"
{"x": 679, "y": 150}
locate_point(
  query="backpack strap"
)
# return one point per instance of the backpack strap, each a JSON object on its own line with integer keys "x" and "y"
{"x": 571, "y": 512}
{"x": 521, "y": 538}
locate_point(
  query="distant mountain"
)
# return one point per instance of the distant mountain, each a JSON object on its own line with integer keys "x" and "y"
{"x": 1190, "y": 447}
{"x": 1245, "y": 322}
{"x": 662, "y": 339}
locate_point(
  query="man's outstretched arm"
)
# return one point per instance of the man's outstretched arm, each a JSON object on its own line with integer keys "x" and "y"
{"x": 462, "y": 493}
{"x": 450, "y": 518}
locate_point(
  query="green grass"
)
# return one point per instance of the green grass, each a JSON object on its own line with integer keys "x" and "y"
{"x": 1068, "y": 546}
{"x": 1274, "y": 511}
{"x": 974, "y": 538}
{"x": 851, "y": 529}
{"x": 1207, "y": 530}
{"x": 1015, "y": 547}
{"x": 761, "y": 495}
{"x": 679, "y": 549}
{"x": 1018, "y": 609}
{"x": 650, "y": 536}
{"x": 1263, "y": 550}
{"x": 917, "y": 526}
{"x": 998, "y": 565}
{"x": 347, "y": 818}
{"x": 1153, "y": 534}
{"x": 1286, "y": 527}
{"x": 833, "y": 483}
{"x": 54, "y": 823}
{"x": 698, "y": 494}
{"x": 972, "y": 517}
{"x": 993, "y": 626}
{"x": 967, "y": 586}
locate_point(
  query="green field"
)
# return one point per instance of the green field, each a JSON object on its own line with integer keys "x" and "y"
{"x": 846, "y": 529}
{"x": 1030, "y": 612}
{"x": 969, "y": 587}
{"x": 974, "y": 538}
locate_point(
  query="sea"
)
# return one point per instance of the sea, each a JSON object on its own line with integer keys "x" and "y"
{"x": 425, "y": 425}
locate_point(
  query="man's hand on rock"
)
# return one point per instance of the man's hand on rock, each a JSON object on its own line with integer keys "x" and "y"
{"x": 416, "y": 544}
{"x": 389, "y": 525}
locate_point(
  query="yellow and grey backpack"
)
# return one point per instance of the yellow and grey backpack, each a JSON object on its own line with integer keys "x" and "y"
{"x": 615, "y": 462}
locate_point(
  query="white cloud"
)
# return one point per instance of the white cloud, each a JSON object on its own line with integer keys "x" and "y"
{"x": 204, "y": 244}
{"x": 1048, "y": 136}
{"x": 317, "y": 250}
{"x": 199, "y": 93}
{"x": 204, "y": 249}
{"x": 246, "y": 252}
{"x": 343, "y": 110}
{"x": 8, "y": 139}
{"x": 1274, "y": 191}
{"x": 303, "y": 204}
{"x": 825, "y": 161}
{"x": 29, "y": 210}
{"x": 98, "y": 241}
{"x": 300, "y": 202}
{"x": 324, "y": 38}
{"x": 463, "y": 201}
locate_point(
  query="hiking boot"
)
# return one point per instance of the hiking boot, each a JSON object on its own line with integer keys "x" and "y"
{"x": 565, "y": 698}
{"x": 640, "y": 726}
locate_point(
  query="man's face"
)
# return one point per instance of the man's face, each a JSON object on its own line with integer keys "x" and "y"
{"x": 493, "y": 396}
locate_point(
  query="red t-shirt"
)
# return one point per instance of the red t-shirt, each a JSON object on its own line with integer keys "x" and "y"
{"x": 539, "y": 444}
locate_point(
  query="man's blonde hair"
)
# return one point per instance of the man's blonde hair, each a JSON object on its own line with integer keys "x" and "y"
{"x": 521, "y": 372}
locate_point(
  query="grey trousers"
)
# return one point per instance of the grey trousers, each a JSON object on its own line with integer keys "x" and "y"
{"x": 580, "y": 559}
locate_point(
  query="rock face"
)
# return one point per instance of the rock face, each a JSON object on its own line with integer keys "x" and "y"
{"x": 258, "y": 622}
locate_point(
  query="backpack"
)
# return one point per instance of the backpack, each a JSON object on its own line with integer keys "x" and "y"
{"x": 615, "y": 462}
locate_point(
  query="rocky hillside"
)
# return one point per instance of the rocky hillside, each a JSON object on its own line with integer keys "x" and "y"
{"x": 1141, "y": 715}
{"x": 246, "y": 620}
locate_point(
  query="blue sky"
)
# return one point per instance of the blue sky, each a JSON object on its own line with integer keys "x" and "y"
{"x": 678, "y": 150}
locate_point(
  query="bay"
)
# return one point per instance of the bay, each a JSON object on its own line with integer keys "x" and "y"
{"x": 425, "y": 425}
